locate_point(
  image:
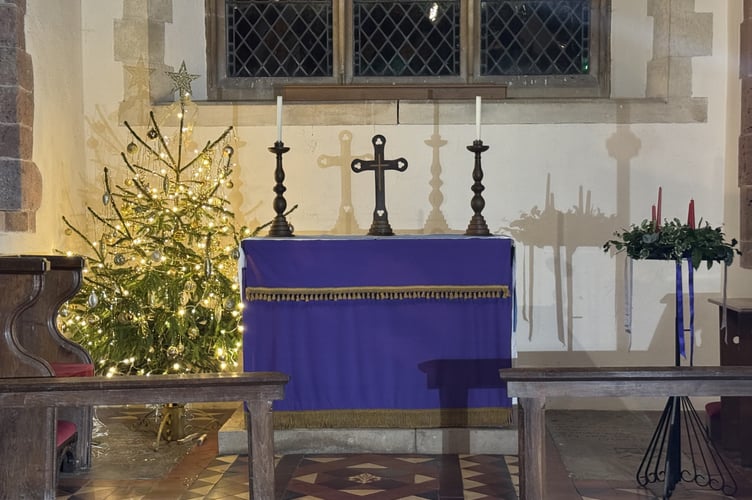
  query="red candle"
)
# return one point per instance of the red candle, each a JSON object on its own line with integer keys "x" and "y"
{"x": 691, "y": 214}
{"x": 653, "y": 212}
{"x": 658, "y": 209}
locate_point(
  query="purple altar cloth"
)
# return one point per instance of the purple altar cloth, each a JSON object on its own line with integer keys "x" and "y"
{"x": 380, "y": 353}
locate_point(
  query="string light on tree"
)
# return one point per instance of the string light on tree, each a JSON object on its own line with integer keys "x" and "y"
{"x": 160, "y": 294}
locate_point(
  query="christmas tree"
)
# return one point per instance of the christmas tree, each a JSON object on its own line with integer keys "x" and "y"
{"x": 160, "y": 293}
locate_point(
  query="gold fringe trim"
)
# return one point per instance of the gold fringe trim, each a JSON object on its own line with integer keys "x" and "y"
{"x": 393, "y": 419}
{"x": 430, "y": 292}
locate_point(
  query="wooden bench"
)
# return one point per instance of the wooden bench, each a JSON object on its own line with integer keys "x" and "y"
{"x": 31, "y": 394}
{"x": 34, "y": 288}
{"x": 532, "y": 386}
{"x": 36, "y": 331}
{"x": 28, "y": 462}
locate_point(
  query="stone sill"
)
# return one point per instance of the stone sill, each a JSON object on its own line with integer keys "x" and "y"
{"x": 502, "y": 112}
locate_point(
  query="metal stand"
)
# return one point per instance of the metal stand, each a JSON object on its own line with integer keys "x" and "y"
{"x": 169, "y": 423}
{"x": 280, "y": 226}
{"x": 477, "y": 226}
{"x": 663, "y": 458}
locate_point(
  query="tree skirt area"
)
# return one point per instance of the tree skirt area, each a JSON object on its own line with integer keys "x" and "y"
{"x": 125, "y": 439}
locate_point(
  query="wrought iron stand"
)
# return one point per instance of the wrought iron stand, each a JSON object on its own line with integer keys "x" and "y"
{"x": 663, "y": 458}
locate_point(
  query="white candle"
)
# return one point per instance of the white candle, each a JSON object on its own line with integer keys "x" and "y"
{"x": 279, "y": 118}
{"x": 477, "y": 117}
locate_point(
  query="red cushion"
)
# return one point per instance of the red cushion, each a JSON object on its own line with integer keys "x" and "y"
{"x": 65, "y": 430}
{"x": 73, "y": 369}
{"x": 713, "y": 409}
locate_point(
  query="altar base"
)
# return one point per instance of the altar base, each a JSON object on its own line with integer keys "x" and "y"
{"x": 430, "y": 441}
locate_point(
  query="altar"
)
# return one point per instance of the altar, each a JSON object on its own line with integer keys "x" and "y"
{"x": 400, "y": 331}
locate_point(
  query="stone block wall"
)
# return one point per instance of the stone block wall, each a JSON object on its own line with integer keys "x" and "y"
{"x": 20, "y": 180}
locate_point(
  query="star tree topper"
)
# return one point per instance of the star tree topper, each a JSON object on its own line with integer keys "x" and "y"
{"x": 182, "y": 81}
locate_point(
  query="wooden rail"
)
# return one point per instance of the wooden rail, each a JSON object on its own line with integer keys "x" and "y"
{"x": 28, "y": 469}
{"x": 532, "y": 386}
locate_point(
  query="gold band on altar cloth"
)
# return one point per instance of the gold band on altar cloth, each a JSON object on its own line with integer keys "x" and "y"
{"x": 393, "y": 419}
{"x": 426, "y": 292}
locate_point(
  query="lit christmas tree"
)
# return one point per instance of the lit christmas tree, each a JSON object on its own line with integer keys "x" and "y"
{"x": 160, "y": 293}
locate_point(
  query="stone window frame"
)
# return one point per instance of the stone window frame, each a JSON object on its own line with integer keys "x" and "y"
{"x": 594, "y": 85}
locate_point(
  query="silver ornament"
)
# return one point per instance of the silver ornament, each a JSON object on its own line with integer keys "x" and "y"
{"x": 93, "y": 299}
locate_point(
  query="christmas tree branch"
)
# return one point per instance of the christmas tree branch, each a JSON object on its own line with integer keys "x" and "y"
{"x": 83, "y": 237}
{"x": 162, "y": 140}
{"x": 149, "y": 148}
{"x": 208, "y": 147}
{"x": 180, "y": 141}
{"x": 114, "y": 205}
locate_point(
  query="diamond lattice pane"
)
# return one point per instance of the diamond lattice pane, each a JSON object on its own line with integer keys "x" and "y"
{"x": 404, "y": 38}
{"x": 279, "y": 38}
{"x": 535, "y": 37}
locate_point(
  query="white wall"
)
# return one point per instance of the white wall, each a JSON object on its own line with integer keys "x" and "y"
{"x": 563, "y": 276}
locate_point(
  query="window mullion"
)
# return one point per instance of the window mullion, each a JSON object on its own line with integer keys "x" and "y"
{"x": 470, "y": 39}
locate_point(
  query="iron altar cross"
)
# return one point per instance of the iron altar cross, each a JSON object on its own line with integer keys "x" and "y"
{"x": 380, "y": 225}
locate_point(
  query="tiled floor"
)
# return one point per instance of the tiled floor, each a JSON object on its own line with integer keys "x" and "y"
{"x": 328, "y": 477}
{"x": 202, "y": 474}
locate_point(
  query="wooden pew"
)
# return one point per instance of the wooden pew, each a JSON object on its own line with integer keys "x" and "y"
{"x": 30, "y": 393}
{"x": 36, "y": 331}
{"x": 28, "y": 460}
{"x": 532, "y": 386}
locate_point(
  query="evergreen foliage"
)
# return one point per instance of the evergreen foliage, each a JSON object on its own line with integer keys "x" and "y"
{"x": 160, "y": 294}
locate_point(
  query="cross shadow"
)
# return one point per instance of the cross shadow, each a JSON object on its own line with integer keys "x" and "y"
{"x": 346, "y": 222}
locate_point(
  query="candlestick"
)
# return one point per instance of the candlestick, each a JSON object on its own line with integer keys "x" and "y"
{"x": 279, "y": 226}
{"x": 478, "y": 225}
{"x": 477, "y": 117}
{"x": 279, "y": 118}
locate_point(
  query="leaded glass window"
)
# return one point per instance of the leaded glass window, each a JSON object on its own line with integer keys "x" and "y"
{"x": 269, "y": 38}
{"x": 258, "y": 46}
{"x": 534, "y": 37}
{"x": 406, "y": 38}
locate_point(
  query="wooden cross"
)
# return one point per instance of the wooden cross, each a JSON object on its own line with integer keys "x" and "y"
{"x": 380, "y": 225}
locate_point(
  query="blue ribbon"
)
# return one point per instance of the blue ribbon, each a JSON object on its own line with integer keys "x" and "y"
{"x": 691, "y": 273}
{"x": 679, "y": 324}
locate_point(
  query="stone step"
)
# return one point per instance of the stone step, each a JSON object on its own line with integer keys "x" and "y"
{"x": 487, "y": 441}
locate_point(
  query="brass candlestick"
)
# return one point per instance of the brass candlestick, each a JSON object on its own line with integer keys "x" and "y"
{"x": 477, "y": 226}
{"x": 279, "y": 226}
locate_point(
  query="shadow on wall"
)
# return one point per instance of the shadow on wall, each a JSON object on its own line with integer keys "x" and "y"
{"x": 563, "y": 231}
{"x": 346, "y": 223}
{"x": 582, "y": 225}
